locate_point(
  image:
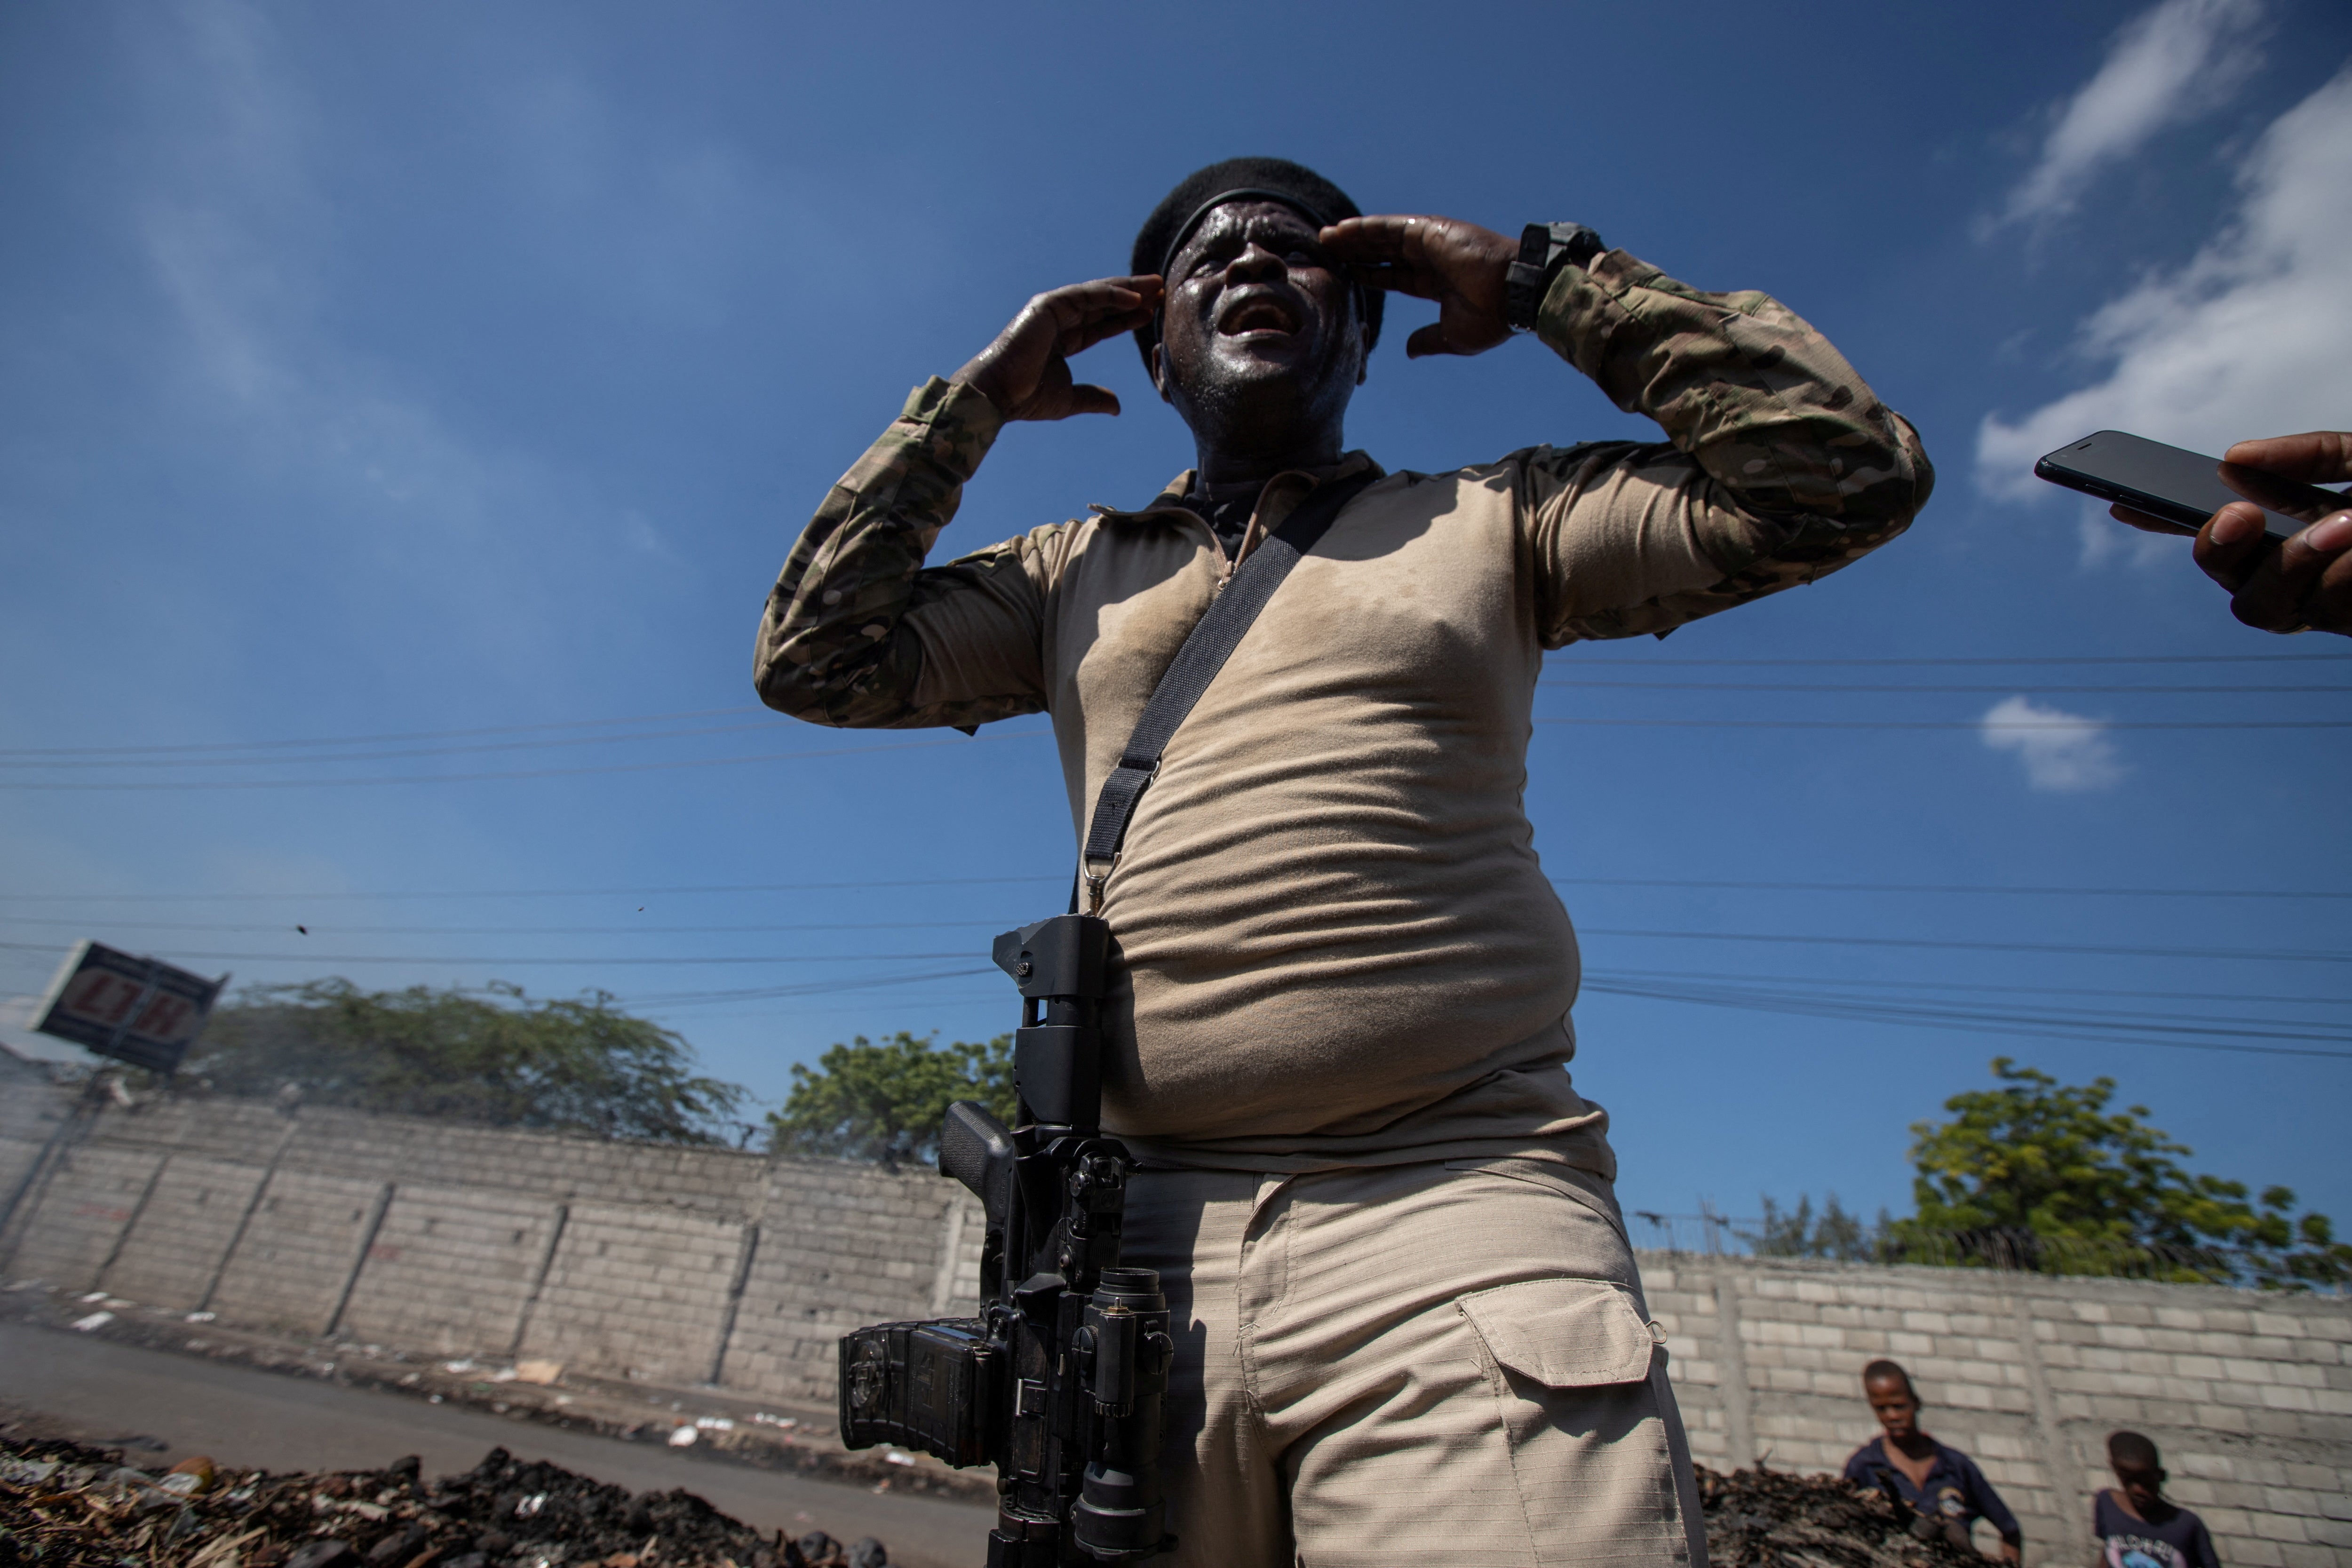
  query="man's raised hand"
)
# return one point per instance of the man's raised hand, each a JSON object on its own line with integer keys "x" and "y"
{"x": 1461, "y": 266}
{"x": 1026, "y": 370}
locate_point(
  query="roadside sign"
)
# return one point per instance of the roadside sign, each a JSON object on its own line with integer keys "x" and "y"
{"x": 137, "y": 1010}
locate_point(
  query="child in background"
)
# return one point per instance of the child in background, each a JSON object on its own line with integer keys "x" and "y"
{"x": 2136, "y": 1527}
{"x": 1941, "y": 1484}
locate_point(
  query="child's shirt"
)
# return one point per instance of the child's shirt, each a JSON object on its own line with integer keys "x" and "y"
{"x": 2126, "y": 1541}
{"x": 1955, "y": 1487}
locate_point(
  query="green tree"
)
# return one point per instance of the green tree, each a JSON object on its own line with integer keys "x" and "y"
{"x": 1836, "y": 1232}
{"x": 2042, "y": 1175}
{"x": 864, "y": 1101}
{"x": 493, "y": 1057}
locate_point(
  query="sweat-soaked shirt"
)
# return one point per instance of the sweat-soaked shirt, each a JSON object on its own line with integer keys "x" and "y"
{"x": 1334, "y": 942}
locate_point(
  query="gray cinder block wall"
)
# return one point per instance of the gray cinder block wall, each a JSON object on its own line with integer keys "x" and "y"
{"x": 690, "y": 1267}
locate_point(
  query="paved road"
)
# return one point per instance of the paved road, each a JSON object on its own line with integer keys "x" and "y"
{"x": 271, "y": 1421}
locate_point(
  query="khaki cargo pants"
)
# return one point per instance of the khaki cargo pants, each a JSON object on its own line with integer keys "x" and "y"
{"x": 1421, "y": 1364}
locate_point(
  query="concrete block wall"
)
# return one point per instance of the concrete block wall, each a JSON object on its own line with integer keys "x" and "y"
{"x": 293, "y": 1267}
{"x": 704, "y": 1266}
{"x": 668, "y": 1265}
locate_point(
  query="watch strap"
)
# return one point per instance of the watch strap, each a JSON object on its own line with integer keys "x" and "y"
{"x": 1544, "y": 250}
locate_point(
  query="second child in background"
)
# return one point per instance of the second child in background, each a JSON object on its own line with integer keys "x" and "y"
{"x": 2136, "y": 1526}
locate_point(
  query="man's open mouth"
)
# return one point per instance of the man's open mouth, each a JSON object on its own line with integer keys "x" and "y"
{"x": 1263, "y": 313}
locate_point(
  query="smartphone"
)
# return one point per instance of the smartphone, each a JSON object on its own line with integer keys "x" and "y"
{"x": 2180, "y": 487}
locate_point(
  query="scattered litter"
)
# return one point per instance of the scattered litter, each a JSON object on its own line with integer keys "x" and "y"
{"x": 322, "y": 1554}
{"x": 765, "y": 1419}
{"x": 504, "y": 1374}
{"x": 539, "y": 1372}
{"x": 200, "y": 1470}
{"x": 683, "y": 1438}
{"x": 196, "y": 1344}
{"x": 714, "y": 1424}
{"x": 93, "y": 1296}
{"x": 116, "y": 1303}
{"x": 63, "y": 1505}
{"x": 95, "y": 1320}
{"x": 202, "y": 1317}
{"x": 892, "y": 1456}
{"x": 460, "y": 1367}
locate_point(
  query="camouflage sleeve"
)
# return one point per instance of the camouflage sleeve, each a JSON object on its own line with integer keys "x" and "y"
{"x": 859, "y": 633}
{"x": 1779, "y": 463}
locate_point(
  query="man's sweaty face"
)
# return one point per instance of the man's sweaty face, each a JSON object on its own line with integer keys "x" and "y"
{"x": 1251, "y": 299}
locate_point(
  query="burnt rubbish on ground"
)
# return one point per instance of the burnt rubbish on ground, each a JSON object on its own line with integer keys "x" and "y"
{"x": 1766, "y": 1519}
{"x": 67, "y": 1505}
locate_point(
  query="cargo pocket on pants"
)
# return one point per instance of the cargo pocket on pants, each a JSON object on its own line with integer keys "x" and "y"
{"x": 1564, "y": 1333}
{"x": 1581, "y": 1392}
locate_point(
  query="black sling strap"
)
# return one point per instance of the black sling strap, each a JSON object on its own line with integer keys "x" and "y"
{"x": 1212, "y": 640}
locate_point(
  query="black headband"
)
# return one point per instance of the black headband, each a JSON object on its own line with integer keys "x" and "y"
{"x": 1184, "y": 230}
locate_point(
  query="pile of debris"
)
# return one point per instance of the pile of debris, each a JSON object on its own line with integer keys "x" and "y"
{"x": 63, "y": 1505}
{"x": 1765, "y": 1519}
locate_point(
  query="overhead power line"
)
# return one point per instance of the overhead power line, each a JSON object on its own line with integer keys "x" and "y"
{"x": 698, "y": 888}
{"x": 1967, "y": 1021}
{"x": 1941, "y": 888}
{"x": 20, "y": 760}
{"x": 558, "y": 892}
{"x": 214, "y": 747}
{"x": 244, "y": 754}
{"x": 1937, "y": 691}
{"x": 531, "y": 772}
{"x": 473, "y": 961}
{"x": 2003, "y": 726}
{"x": 1973, "y": 987}
{"x": 2280, "y": 955}
{"x": 380, "y": 739}
{"x": 1970, "y": 661}
{"x": 1936, "y": 943}
{"x": 2070, "y": 726}
{"x": 280, "y": 927}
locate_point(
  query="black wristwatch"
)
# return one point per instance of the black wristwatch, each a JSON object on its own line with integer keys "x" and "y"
{"x": 1544, "y": 250}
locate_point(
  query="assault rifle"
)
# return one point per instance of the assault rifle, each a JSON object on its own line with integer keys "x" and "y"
{"x": 1058, "y": 1381}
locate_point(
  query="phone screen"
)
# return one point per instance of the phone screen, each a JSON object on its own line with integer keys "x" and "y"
{"x": 2182, "y": 487}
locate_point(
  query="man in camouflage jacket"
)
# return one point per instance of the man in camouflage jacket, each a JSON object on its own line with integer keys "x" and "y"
{"x": 1411, "y": 1325}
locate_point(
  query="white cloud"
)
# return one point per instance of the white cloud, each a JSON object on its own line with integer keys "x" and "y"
{"x": 2169, "y": 64}
{"x": 2064, "y": 752}
{"x": 2252, "y": 337}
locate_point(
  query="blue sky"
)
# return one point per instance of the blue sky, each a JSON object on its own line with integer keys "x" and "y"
{"x": 395, "y": 371}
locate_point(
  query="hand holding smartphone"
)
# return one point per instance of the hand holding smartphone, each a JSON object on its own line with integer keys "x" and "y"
{"x": 2180, "y": 487}
{"x": 2280, "y": 545}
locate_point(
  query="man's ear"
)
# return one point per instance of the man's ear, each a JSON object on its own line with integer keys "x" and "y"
{"x": 1160, "y": 369}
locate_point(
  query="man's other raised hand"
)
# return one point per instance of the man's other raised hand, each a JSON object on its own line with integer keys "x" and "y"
{"x": 2308, "y": 581}
{"x": 1461, "y": 266}
{"x": 1026, "y": 370}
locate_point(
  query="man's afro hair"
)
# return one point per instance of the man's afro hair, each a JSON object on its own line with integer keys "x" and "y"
{"x": 1302, "y": 187}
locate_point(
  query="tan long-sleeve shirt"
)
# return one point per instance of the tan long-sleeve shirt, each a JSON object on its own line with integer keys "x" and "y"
{"x": 1334, "y": 942}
